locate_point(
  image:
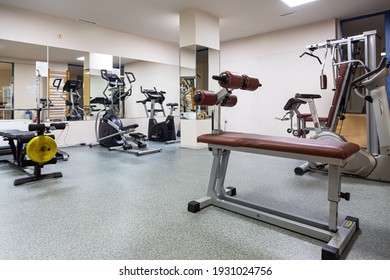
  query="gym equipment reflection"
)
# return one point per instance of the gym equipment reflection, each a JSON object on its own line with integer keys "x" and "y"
{"x": 109, "y": 129}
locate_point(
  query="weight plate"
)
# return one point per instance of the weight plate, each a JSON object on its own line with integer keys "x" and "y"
{"x": 41, "y": 149}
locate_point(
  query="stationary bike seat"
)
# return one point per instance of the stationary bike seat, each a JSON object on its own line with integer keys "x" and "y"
{"x": 172, "y": 104}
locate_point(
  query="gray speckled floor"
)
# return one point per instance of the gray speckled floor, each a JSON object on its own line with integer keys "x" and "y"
{"x": 113, "y": 205}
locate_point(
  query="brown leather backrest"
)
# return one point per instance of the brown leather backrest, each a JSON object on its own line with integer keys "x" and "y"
{"x": 336, "y": 96}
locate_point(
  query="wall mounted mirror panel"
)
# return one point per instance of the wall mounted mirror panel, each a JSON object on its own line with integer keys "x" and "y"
{"x": 20, "y": 85}
{"x": 197, "y": 65}
{"x": 187, "y": 81}
{"x": 18, "y": 62}
{"x": 65, "y": 86}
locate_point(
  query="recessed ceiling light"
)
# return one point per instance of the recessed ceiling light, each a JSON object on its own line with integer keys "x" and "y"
{"x": 294, "y": 3}
{"x": 81, "y": 58}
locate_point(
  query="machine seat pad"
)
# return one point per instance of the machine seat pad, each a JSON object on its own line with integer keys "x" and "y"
{"x": 15, "y": 134}
{"x": 323, "y": 148}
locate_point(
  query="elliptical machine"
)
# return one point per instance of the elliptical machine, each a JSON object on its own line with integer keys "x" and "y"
{"x": 75, "y": 112}
{"x": 109, "y": 129}
{"x": 159, "y": 131}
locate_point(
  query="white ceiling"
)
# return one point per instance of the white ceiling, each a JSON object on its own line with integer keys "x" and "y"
{"x": 159, "y": 19}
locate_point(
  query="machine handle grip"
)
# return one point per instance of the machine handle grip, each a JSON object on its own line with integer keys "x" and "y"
{"x": 79, "y": 84}
{"x": 103, "y": 73}
{"x": 381, "y": 65}
{"x": 130, "y": 77}
{"x": 57, "y": 83}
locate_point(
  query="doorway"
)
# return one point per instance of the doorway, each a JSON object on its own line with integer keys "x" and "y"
{"x": 354, "y": 127}
{"x": 6, "y": 90}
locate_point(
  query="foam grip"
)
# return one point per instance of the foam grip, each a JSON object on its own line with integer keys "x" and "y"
{"x": 250, "y": 83}
{"x": 58, "y": 125}
{"x": 323, "y": 82}
{"x": 230, "y": 101}
{"x": 205, "y": 97}
{"x": 36, "y": 127}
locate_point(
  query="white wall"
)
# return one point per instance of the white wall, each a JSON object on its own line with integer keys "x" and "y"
{"x": 274, "y": 59}
{"x": 24, "y": 26}
{"x": 25, "y": 88}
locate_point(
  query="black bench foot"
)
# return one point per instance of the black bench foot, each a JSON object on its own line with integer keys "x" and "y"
{"x": 193, "y": 206}
{"x": 329, "y": 253}
{"x": 30, "y": 179}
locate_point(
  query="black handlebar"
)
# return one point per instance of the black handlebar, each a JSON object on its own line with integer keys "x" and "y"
{"x": 57, "y": 83}
{"x": 103, "y": 73}
{"x": 130, "y": 77}
{"x": 312, "y": 55}
{"x": 381, "y": 66}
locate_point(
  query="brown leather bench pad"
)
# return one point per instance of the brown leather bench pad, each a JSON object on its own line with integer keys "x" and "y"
{"x": 324, "y": 148}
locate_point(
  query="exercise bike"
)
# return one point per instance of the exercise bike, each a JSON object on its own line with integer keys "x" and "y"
{"x": 109, "y": 129}
{"x": 159, "y": 131}
{"x": 365, "y": 164}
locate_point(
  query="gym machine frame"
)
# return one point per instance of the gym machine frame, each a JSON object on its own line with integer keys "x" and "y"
{"x": 222, "y": 143}
{"x": 369, "y": 38}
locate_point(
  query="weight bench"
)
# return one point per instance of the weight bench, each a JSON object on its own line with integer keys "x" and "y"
{"x": 17, "y": 141}
{"x": 336, "y": 154}
{"x": 221, "y": 143}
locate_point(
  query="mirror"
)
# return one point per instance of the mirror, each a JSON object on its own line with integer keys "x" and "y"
{"x": 65, "y": 102}
{"x": 6, "y": 90}
{"x": 20, "y": 86}
{"x": 67, "y": 64}
{"x": 197, "y": 65}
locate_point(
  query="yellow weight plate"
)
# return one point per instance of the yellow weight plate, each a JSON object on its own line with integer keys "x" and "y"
{"x": 41, "y": 149}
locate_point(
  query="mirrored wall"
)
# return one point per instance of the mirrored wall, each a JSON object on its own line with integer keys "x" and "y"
{"x": 22, "y": 87}
{"x": 197, "y": 65}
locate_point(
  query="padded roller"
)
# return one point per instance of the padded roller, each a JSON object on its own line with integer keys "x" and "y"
{"x": 229, "y": 80}
{"x": 58, "y": 125}
{"x": 250, "y": 83}
{"x": 237, "y": 81}
{"x": 230, "y": 101}
{"x": 205, "y": 97}
{"x": 36, "y": 127}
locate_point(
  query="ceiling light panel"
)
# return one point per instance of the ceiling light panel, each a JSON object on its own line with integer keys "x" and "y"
{"x": 294, "y": 3}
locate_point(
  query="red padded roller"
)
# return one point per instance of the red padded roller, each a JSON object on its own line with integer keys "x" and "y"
{"x": 205, "y": 97}
{"x": 250, "y": 83}
{"x": 230, "y": 101}
{"x": 231, "y": 80}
